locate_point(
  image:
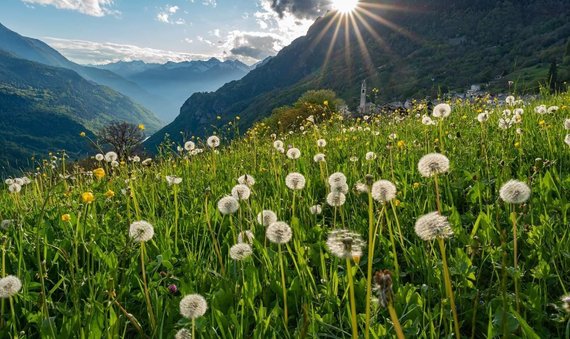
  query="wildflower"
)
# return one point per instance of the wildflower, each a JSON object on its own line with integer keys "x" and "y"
{"x": 383, "y": 287}
{"x": 9, "y": 181}
{"x": 111, "y": 156}
{"x": 370, "y": 156}
{"x": 173, "y": 180}
{"x": 87, "y": 197}
{"x": 567, "y": 139}
{"x": 99, "y": 157}
{"x": 246, "y": 179}
{"x": 5, "y": 224}
{"x": 337, "y": 178}
{"x": 552, "y": 109}
{"x": 541, "y": 109}
{"x": 293, "y": 153}
{"x": 482, "y": 117}
{"x": 109, "y": 194}
{"x": 279, "y": 232}
{"x": 432, "y": 164}
{"x": 316, "y": 209}
{"x": 280, "y": 150}
{"x": 9, "y": 286}
{"x": 82, "y": 134}
{"x": 383, "y": 191}
{"x": 241, "y": 192}
{"x": 295, "y": 181}
{"x": 277, "y": 144}
{"x": 514, "y": 192}
{"x": 401, "y": 144}
{"x": 99, "y": 173}
{"x": 136, "y": 158}
{"x": 266, "y": 217}
{"x": 65, "y": 217}
{"x": 432, "y": 226}
{"x": 336, "y": 199}
{"x": 189, "y": 146}
{"x": 340, "y": 188}
{"x": 193, "y": 306}
{"x": 321, "y": 143}
{"x": 146, "y": 162}
{"x": 240, "y": 251}
{"x": 510, "y": 100}
{"x": 345, "y": 244}
{"x": 15, "y": 188}
{"x": 504, "y": 123}
{"x": 567, "y": 124}
{"x": 353, "y": 158}
{"x": 183, "y": 334}
{"x": 416, "y": 185}
{"x": 518, "y": 111}
{"x": 566, "y": 302}
{"x": 228, "y": 205}
{"x": 319, "y": 157}
{"x": 441, "y": 111}
{"x": 141, "y": 231}
{"x": 213, "y": 141}
{"x": 173, "y": 288}
{"x": 427, "y": 121}
{"x": 361, "y": 188}
{"x": 245, "y": 235}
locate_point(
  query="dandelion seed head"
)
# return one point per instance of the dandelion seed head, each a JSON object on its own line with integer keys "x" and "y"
{"x": 514, "y": 192}
{"x": 99, "y": 157}
{"x": 427, "y": 121}
{"x": 510, "y": 100}
{"x": 228, "y": 205}
{"x": 316, "y": 209}
{"x": 6, "y": 223}
{"x": 293, "y": 153}
{"x": 552, "y": 109}
{"x": 345, "y": 244}
{"x": 432, "y": 164}
{"x": 482, "y": 117}
{"x": 340, "y": 188}
{"x": 361, "y": 188}
{"x": 518, "y": 111}
{"x": 321, "y": 143}
{"x": 111, "y": 156}
{"x": 245, "y": 237}
{"x": 189, "y": 146}
{"x": 240, "y": 251}
{"x": 14, "y": 188}
{"x": 213, "y": 141}
{"x": 336, "y": 200}
{"x": 241, "y": 192}
{"x": 279, "y": 232}
{"x": 193, "y": 306}
{"x": 567, "y": 124}
{"x": 541, "y": 109}
{"x": 173, "y": 180}
{"x": 278, "y": 144}
{"x": 319, "y": 157}
{"x": 432, "y": 226}
{"x": 566, "y": 302}
{"x": 141, "y": 231}
{"x": 295, "y": 181}
{"x": 246, "y": 179}
{"x": 9, "y": 286}
{"x": 441, "y": 111}
{"x": 115, "y": 163}
{"x": 383, "y": 191}
{"x": 337, "y": 178}
{"x": 183, "y": 334}
{"x": 370, "y": 156}
{"x": 266, "y": 217}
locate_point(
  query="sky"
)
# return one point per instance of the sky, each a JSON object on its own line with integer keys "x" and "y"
{"x": 104, "y": 31}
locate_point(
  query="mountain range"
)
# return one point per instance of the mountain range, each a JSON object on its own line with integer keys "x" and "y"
{"x": 174, "y": 82}
{"x": 404, "y": 48}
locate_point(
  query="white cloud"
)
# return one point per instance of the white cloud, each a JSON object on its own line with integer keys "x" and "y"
{"x": 89, "y": 7}
{"x": 212, "y": 3}
{"x": 166, "y": 13}
{"x": 162, "y": 17}
{"x": 90, "y": 52}
{"x": 288, "y": 26}
{"x": 173, "y": 9}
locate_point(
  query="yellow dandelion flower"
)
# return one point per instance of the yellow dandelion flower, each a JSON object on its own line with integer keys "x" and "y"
{"x": 65, "y": 217}
{"x": 109, "y": 194}
{"x": 541, "y": 122}
{"x": 416, "y": 185}
{"x": 517, "y": 144}
{"x": 326, "y": 103}
{"x": 99, "y": 173}
{"x": 82, "y": 134}
{"x": 87, "y": 197}
{"x": 397, "y": 202}
{"x": 401, "y": 144}
{"x": 141, "y": 127}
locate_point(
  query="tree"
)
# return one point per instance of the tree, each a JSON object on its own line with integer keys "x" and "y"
{"x": 553, "y": 77}
{"x": 123, "y": 137}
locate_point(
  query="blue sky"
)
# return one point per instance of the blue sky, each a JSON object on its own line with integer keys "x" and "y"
{"x": 102, "y": 31}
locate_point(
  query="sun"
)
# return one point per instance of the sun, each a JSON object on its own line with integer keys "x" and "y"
{"x": 345, "y": 6}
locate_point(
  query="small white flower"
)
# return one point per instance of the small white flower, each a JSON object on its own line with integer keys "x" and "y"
{"x": 111, "y": 156}
{"x": 316, "y": 209}
{"x": 213, "y": 141}
{"x": 141, "y": 231}
{"x": 293, "y": 153}
{"x": 370, "y": 156}
{"x": 99, "y": 157}
{"x": 441, "y": 111}
{"x": 115, "y": 163}
{"x": 189, "y": 146}
{"x": 552, "y": 109}
{"x": 266, "y": 217}
{"x": 173, "y": 180}
{"x": 353, "y": 158}
{"x": 319, "y": 157}
{"x": 567, "y": 124}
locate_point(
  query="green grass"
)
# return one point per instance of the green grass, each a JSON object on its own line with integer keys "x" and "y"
{"x": 83, "y": 278}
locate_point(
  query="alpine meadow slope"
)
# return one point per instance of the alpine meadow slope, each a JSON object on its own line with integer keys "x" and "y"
{"x": 416, "y": 48}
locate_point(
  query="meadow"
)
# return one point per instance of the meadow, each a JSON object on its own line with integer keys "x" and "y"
{"x": 383, "y": 226}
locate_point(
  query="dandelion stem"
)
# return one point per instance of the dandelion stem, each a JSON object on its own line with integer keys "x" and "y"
{"x": 395, "y": 321}
{"x": 146, "y": 293}
{"x": 437, "y": 199}
{"x": 352, "y": 299}
{"x": 214, "y": 239}
{"x": 371, "y": 238}
{"x": 176, "y": 216}
{"x": 449, "y": 290}
{"x": 283, "y": 287}
{"x": 515, "y": 258}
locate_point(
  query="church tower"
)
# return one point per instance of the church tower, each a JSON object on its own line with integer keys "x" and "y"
{"x": 362, "y": 107}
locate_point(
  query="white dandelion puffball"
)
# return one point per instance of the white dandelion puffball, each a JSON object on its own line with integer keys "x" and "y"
{"x": 514, "y": 192}
{"x": 136, "y": 158}
{"x": 240, "y": 251}
{"x": 9, "y": 286}
{"x": 383, "y": 191}
{"x": 295, "y": 181}
{"x": 6, "y": 223}
{"x": 183, "y": 334}
{"x": 541, "y": 109}
{"x": 293, "y": 153}
{"x": 319, "y": 157}
{"x": 552, "y": 109}
{"x": 111, "y": 156}
{"x": 427, "y": 121}
{"x": 241, "y": 192}
{"x": 337, "y": 178}
{"x": 345, "y": 244}
{"x": 141, "y": 231}
{"x": 518, "y": 111}
{"x": 193, "y": 306}
{"x": 173, "y": 180}
{"x": 228, "y": 205}
{"x": 266, "y": 217}
{"x": 14, "y": 188}
{"x": 370, "y": 156}
{"x": 246, "y": 179}
{"x": 19, "y": 181}
{"x": 115, "y": 163}
{"x": 482, "y": 117}
{"x": 99, "y": 157}
{"x": 505, "y": 123}
{"x": 279, "y": 232}
{"x": 510, "y": 100}
{"x": 213, "y": 141}
{"x": 321, "y": 143}
{"x": 146, "y": 162}
{"x": 316, "y": 209}
{"x": 340, "y": 188}
{"x": 9, "y": 181}
{"x": 567, "y": 139}
{"x": 278, "y": 144}
{"x": 567, "y": 124}
{"x": 189, "y": 146}
{"x": 353, "y": 158}
{"x": 566, "y": 302}
{"x": 432, "y": 226}
{"x": 361, "y": 188}
{"x": 441, "y": 111}
{"x": 245, "y": 237}
{"x": 432, "y": 164}
{"x": 280, "y": 150}
{"x": 336, "y": 200}
{"x": 179, "y": 149}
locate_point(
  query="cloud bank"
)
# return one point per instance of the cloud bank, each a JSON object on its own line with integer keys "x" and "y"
{"x": 89, "y": 7}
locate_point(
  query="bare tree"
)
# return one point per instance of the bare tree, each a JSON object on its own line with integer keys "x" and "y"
{"x": 123, "y": 137}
